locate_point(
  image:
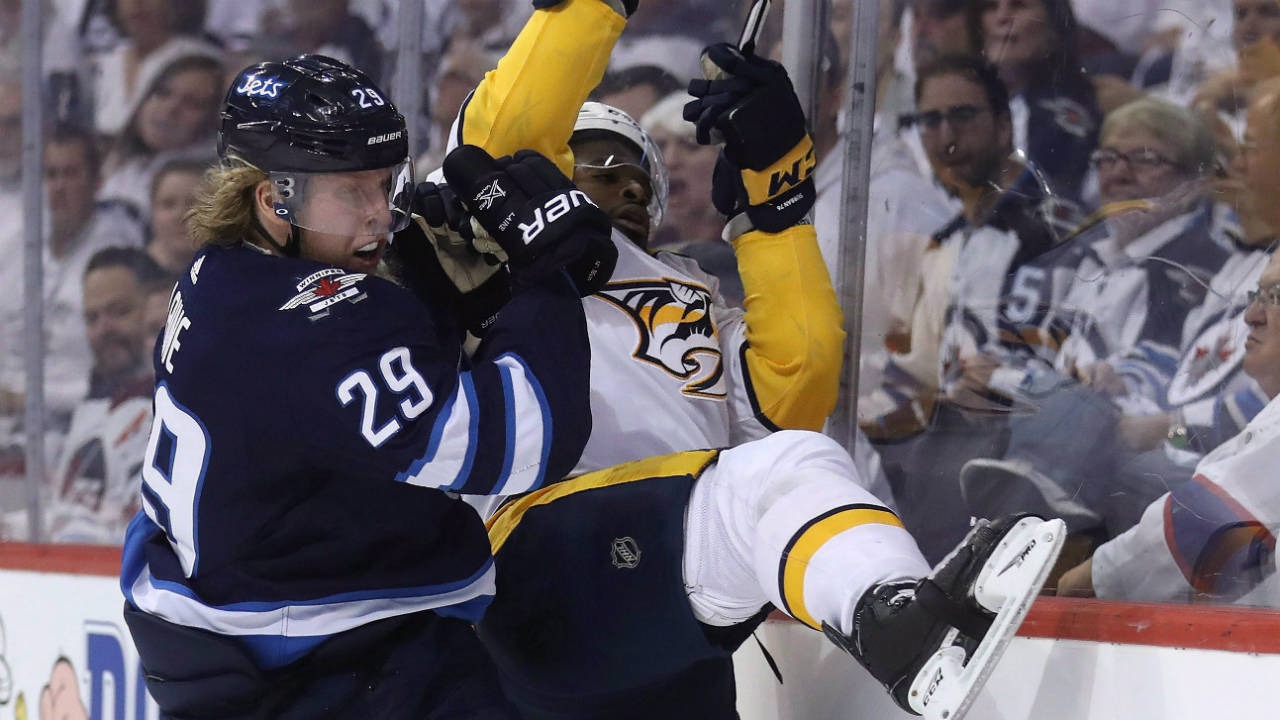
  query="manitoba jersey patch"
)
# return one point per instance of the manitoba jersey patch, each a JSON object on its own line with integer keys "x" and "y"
{"x": 324, "y": 288}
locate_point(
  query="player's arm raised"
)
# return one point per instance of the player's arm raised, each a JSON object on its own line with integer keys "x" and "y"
{"x": 531, "y": 100}
{"x": 518, "y": 415}
{"x": 763, "y": 183}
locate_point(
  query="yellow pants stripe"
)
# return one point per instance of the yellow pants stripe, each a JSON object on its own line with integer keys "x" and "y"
{"x": 505, "y": 520}
{"x": 805, "y": 543}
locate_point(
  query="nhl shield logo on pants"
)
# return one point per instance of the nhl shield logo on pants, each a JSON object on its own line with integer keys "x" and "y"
{"x": 626, "y": 554}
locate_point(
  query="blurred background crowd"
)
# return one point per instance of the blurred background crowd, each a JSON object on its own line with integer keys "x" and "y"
{"x": 1070, "y": 306}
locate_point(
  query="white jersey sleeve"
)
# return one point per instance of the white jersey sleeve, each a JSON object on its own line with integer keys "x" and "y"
{"x": 1211, "y": 537}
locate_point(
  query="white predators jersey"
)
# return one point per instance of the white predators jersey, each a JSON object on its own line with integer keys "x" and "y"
{"x": 666, "y": 362}
{"x": 95, "y": 487}
{"x": 1213, "y": 536}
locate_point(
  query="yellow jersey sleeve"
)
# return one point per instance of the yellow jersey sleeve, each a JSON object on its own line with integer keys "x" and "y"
{"x": 794, "y": 328}
{"x": 531, "y": 100}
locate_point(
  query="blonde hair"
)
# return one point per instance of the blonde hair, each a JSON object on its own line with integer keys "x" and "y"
{"x": 224, "y": 212}
{"x": 1174, "y": 125}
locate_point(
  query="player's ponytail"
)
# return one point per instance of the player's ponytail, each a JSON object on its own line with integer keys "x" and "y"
{"x": 223, "y": 213}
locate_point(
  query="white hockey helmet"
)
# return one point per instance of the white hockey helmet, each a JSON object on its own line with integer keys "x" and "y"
{"x": 606, "y": 118}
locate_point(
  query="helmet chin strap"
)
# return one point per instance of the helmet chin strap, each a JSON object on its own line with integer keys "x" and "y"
{"x": 292, "y": 247}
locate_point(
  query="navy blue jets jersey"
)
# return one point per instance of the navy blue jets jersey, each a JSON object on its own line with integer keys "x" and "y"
{"x": 308, "y": 423}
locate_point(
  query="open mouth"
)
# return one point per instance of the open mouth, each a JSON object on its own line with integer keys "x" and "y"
{"x": 370, "y": 252}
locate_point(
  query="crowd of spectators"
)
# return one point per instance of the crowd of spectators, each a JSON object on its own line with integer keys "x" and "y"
{"x": 1070, "y": 210}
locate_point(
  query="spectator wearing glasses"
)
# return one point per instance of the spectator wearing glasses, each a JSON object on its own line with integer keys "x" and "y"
{"x": 1209, "y": 538}
{"x": 946, "y": 326}
{"x": 1151, "y": 356}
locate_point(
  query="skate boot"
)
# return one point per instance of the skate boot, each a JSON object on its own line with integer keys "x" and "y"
{"x": 933, "y": 642}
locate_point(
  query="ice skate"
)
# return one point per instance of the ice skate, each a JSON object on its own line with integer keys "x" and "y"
{"x": 934, "y": 642}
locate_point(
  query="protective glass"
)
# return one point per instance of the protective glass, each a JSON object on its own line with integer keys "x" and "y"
{"x": 1269, "y": 295}
{"x": 958, "y": 117}
{"x": 650, "y": 167}
{"x": 365, "y": 202}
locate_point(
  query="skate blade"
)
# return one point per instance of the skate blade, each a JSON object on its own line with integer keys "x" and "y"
{"x": 946, "y": 686}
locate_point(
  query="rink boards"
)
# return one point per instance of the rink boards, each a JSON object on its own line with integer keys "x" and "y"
{"x": 60, "y": 611}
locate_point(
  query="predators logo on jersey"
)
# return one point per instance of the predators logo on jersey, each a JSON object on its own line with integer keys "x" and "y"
{"x": 676, "y": 331}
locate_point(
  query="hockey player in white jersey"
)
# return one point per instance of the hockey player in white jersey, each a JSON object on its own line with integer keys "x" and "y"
{"x": 700, "y": 542}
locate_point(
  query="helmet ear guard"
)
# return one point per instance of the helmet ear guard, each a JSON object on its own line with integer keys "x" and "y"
{"x": 596, "y": 117}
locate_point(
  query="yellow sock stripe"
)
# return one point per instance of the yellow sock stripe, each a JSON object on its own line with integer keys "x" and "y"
{"x": 805, "y": 543}
{"x": 504, "y": 522}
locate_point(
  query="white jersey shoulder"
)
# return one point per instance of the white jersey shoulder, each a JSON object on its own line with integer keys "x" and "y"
{"x": 1151, "y": 560}
{"x": 663, "y": 371}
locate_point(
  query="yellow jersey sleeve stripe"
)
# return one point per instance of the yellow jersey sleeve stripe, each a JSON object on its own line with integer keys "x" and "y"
{"x": 531, "y": 100}
{"x": 811, "y": 537}
{"x": 508, "y": 517}
{"x": 795, "y": 334}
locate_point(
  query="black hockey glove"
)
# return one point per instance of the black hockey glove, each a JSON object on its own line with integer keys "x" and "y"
{"x": 536, "y": 215}
{"x": 766, "y": 166}
{"x": 440, "y": 240}
{"x": 628, "y": 5}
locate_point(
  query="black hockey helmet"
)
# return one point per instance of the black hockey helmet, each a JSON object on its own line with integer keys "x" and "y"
{"x": 313, "y": 116}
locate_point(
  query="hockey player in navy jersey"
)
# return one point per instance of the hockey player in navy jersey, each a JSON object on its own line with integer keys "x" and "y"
{"x": 623, "y": 592}
{"x": 301, "y": 551}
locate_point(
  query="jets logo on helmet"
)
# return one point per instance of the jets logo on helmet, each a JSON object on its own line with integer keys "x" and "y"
{"x": 254, "y": 86}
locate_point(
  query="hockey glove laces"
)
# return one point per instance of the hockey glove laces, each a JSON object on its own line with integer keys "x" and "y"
{"x": 765, "y": 169}
{"x": 535, "y": 215}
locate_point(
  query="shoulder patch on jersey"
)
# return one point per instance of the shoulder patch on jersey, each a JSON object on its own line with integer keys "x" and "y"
{"x": 676, "y": 332}
{"x": 324, "y": 288}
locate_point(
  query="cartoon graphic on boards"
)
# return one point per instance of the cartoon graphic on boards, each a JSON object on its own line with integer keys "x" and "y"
{"x": 60, "y": 699}
{"x": 106, "y": 681}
